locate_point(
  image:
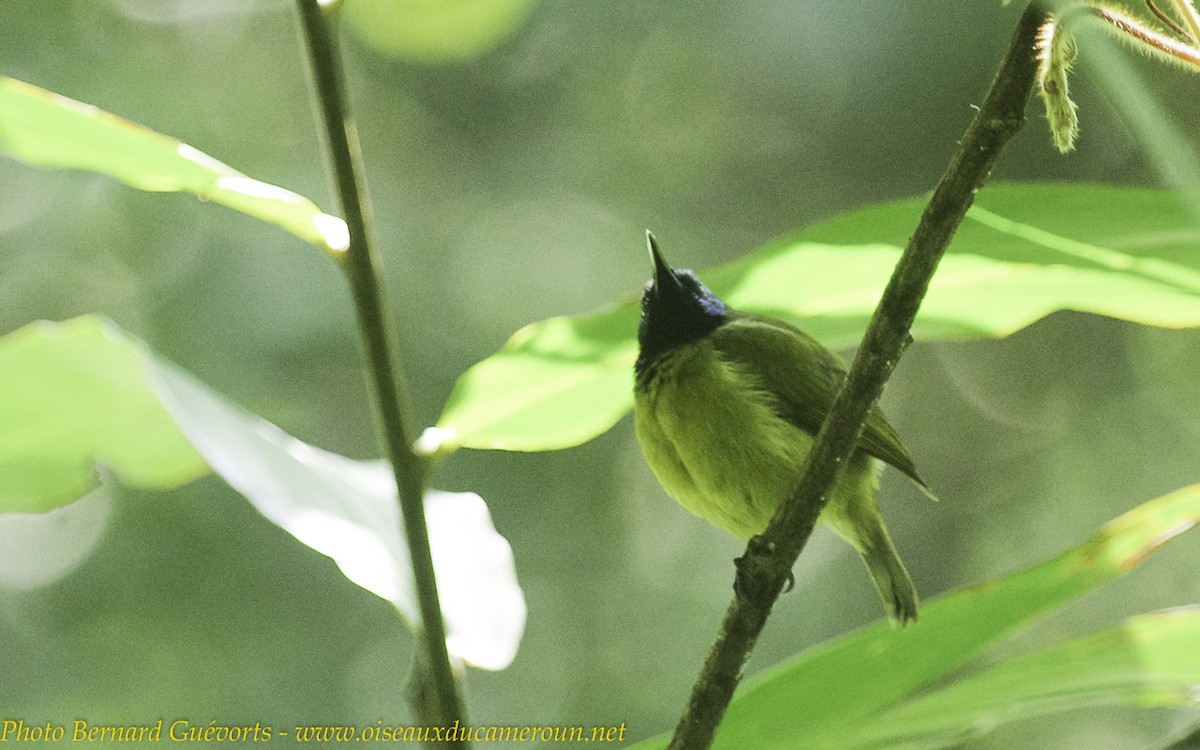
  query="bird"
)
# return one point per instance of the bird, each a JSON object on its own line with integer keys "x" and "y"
{"x": 727, "y": 405}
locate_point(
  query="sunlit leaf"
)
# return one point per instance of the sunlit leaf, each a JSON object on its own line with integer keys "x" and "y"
{"x": 48, "y": 130}
{"x": 74, "y": 396}
{"x": 1024, "y": 252}
{"x": 847, "y": 693}
{"x": 347, "y": 510}
{"x": 83, "y": 393}
{"x": 556, "y": 383}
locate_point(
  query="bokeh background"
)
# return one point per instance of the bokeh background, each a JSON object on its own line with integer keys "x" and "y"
{"x": 516, "y": 151}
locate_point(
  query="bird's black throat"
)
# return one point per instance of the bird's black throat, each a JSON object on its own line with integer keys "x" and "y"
{"x": 677, "y": 309}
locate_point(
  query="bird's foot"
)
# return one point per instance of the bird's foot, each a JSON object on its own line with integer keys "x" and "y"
{"x": 753, "y": 581}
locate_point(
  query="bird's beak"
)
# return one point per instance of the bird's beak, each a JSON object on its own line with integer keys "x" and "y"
{"x": 663, "y": 275}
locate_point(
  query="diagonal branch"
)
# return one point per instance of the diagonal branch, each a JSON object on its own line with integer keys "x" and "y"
{"x": 767, "y": 563}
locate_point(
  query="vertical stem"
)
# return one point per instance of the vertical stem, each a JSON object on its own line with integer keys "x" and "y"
{"x": 361, "y": 264}
{"x": 768, "y": 560}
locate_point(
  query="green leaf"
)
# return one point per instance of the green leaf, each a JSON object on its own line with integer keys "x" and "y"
{"x": 48, "y": 130}
{"x": 1151, "y": 661}
{"x": 556, "y": 383}
{"x": 74, "y": 395}
{"x": 1024, "y": 252}
{"x": 83, "y": 392}
{"x": 848, "y": 693}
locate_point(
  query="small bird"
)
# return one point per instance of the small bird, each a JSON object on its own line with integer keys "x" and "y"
{"x": 726, "y": 407}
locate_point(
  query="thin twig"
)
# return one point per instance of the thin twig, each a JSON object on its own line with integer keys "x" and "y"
{"x": 1166, "y": 20}
{"x": 768, "y": 560}
{"x": 1187, "y": 10}
{"x": 361, "y": 264}
{"x": 1149, "y": 41}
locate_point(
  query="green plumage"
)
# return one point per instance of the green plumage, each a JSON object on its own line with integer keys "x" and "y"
{"x": 726, "y": 406}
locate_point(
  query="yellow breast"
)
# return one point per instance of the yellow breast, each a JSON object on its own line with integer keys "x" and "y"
{"x": 711, "y": 435}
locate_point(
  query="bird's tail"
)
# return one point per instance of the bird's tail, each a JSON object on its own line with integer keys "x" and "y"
{"x": 854, "y": 515}
{"x": 891, "y": 579}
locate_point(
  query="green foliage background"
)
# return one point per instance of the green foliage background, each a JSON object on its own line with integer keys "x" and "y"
{"x": 512, "y": 187}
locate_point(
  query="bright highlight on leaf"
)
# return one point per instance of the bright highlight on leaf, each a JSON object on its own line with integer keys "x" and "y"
{"x": 882, "y": 687}
{"x": 84, "y": 393}
{"x": 347, "y": 510}
{"x": 40, "y": 548}
{"x": 48, "y": 130}
{"x": 1024, "y": 252}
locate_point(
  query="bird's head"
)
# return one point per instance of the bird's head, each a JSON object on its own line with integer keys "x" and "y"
{"x": 677, "y": 308}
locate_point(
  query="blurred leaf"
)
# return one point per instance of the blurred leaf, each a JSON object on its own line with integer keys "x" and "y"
{"x": 84, "y": 391}
{"x": 48, "y": 130}
{"x": 555, "y": 384}
{"x": 41, "y": 548}
{"x": 1024, "y": 252}
{"x": 347, "y": 510}
{"x": 73, "y": 395}
{"x": 1151, "y": 660}
{"x": 435, "y": 31}
{"x": 850, "y": 692}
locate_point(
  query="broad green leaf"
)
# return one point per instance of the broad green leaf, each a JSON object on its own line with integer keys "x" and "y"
{"x": 1151, "y": 660}
{"x": 74, "y": 396}
{"x": 1023, "y": 252}
{"x": 853, "y": 685}
{"x": 556, "y": 383}
{"x": 48, "y": 130}
{"x": 83, "y": 392}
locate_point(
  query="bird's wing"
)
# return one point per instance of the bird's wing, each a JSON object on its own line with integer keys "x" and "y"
{"x": 804, "y": 377}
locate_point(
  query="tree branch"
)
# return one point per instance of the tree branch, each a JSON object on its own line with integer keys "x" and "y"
{"x": 767, "y": 563}
{"x": 439, "y": 702}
